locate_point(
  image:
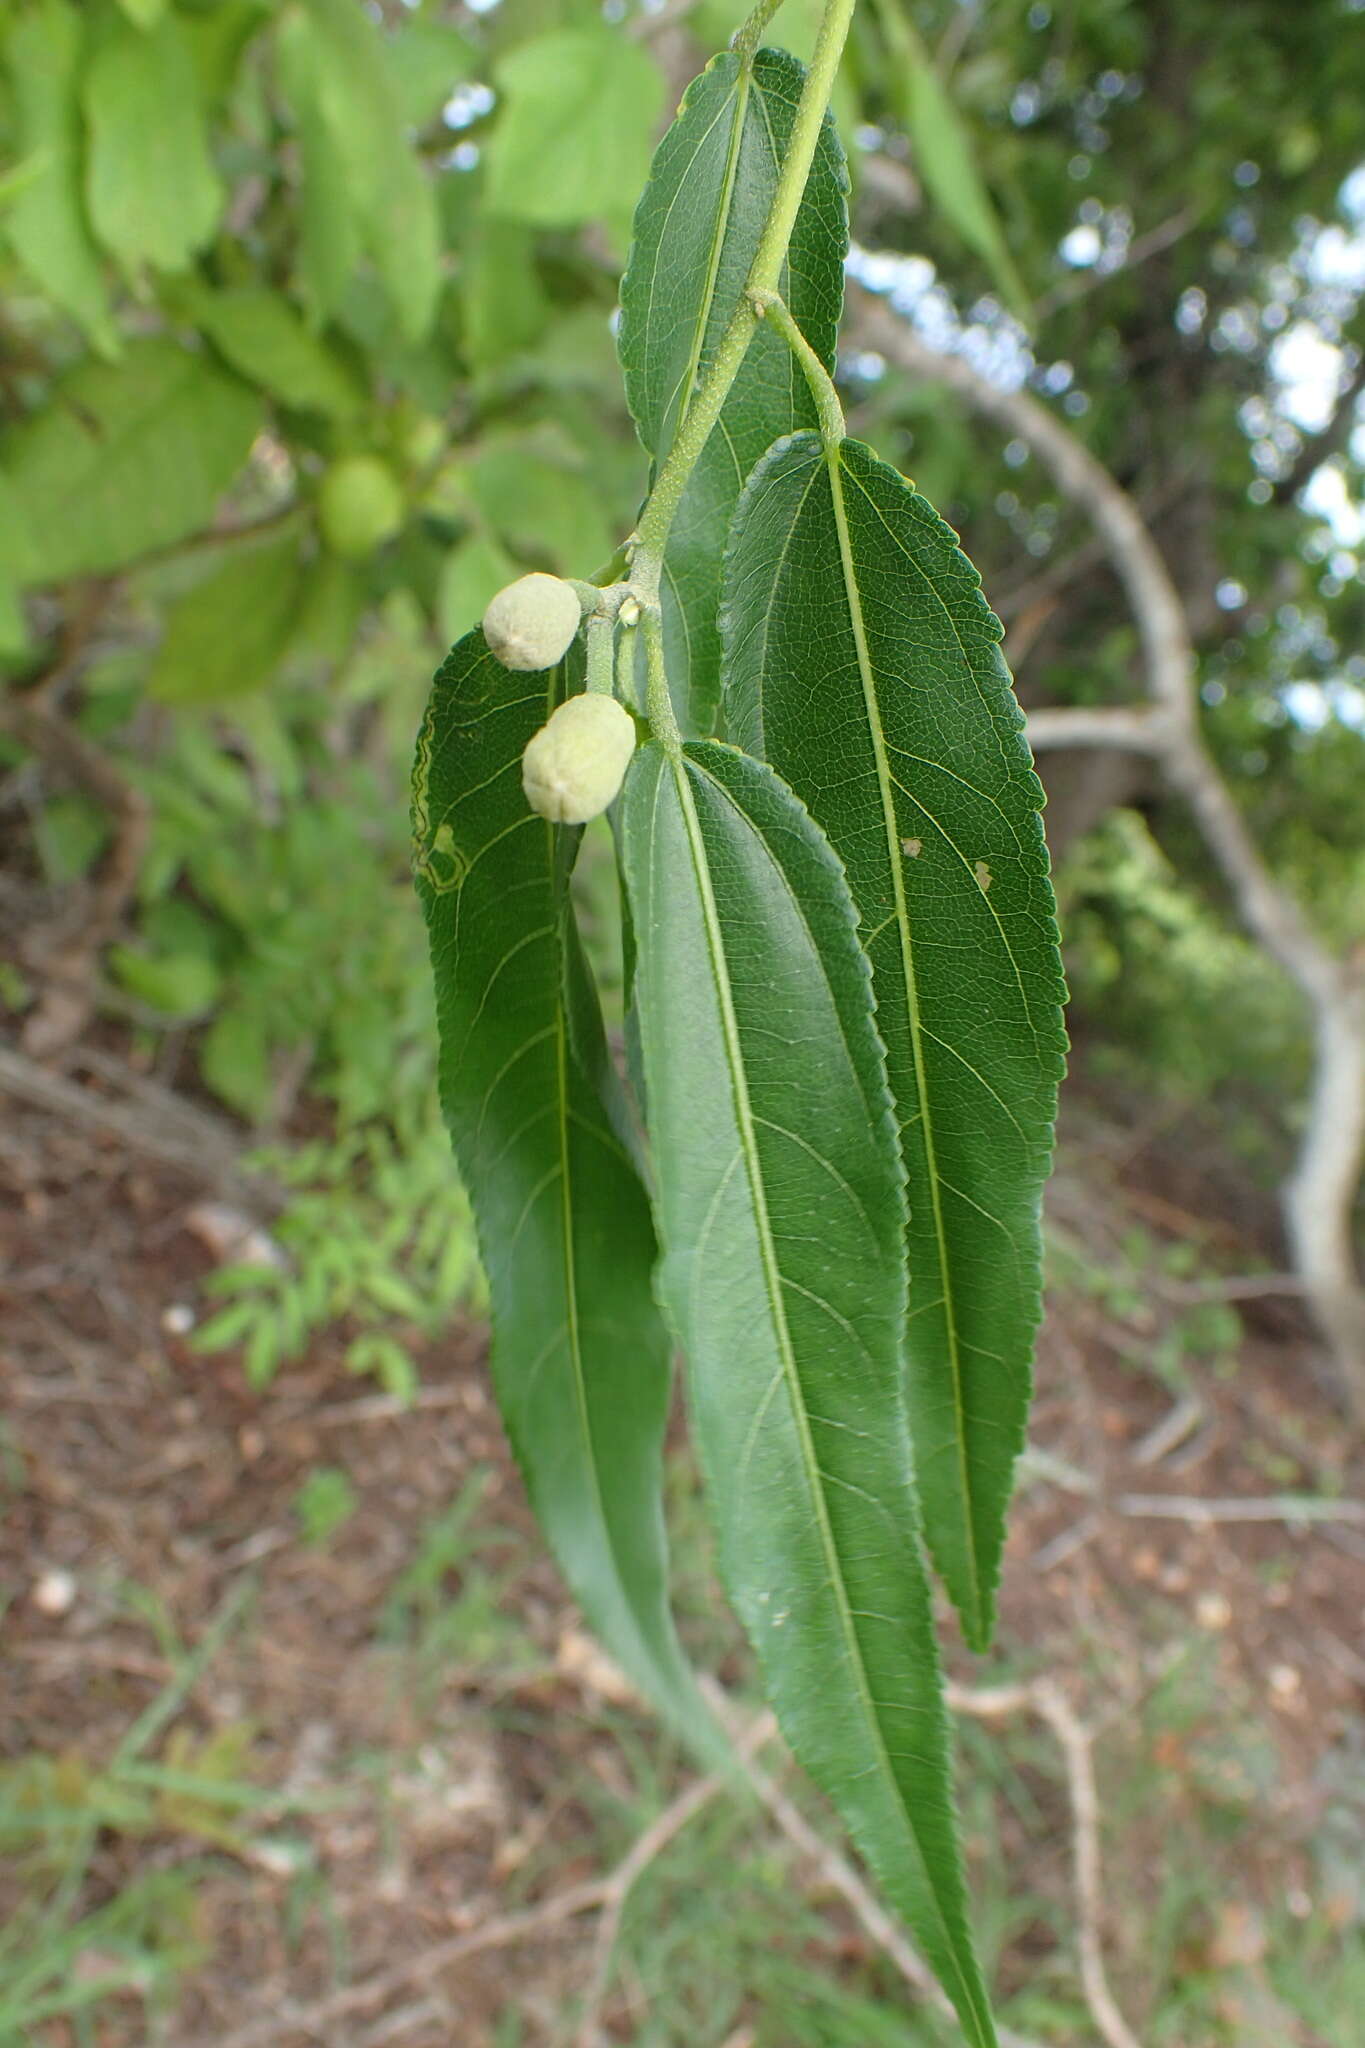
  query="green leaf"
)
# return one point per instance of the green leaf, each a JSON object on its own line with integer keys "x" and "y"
{"x": 534, "y": 491}
{"x": 427, "y": 59}
{"x": 261, "y": 335}
{"x": 573, "y": 137}
{"x": 782, "y": 1218}
{"x": 696, "y": 233}
{"x": 227, "y": 636}
{"x": 504, "y": 304}
{"x": 46, "y": 220}
{"x": 944, "y": 156}
{"x": 863, "y": 662}
{"x": 143, "y": 13}
{"x": 234, "y": 1059}
{"x": 330, "y": 233}
{"x": 580, "y": 1357}
{"x": 335, "y": 70}
{"x": 124, "y": 460}
{"x": 474, "y": 570}
{"x": 151, "y": 189}
{"x": 180, "y": 985}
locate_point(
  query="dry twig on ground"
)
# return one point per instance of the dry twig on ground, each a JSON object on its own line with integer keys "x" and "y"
{"x": 1045, "y": 1698}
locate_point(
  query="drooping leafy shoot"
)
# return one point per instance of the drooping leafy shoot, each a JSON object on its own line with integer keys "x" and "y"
{"x": 841, "y": 975}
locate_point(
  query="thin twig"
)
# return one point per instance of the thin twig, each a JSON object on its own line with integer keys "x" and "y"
{"x": 1280, "y": 1507}
{"x": 160, "y": 1125}
{"x": 648, "y": 1847}
{"x": 605, "y": 1895}
{"x": 1045, "y": 1698}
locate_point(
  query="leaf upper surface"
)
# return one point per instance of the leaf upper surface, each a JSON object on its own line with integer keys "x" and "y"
{"x": 782, "y": 1214}
{"x": 864, "y": 663}
{"x": 580, "y": 1356}
{"x": 697, "y": 230}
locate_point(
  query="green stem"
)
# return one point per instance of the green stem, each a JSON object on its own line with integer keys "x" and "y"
{"x": 764, "y": 277}
{"x": 600, "y": 629}
{"x": 747, "y": 37}
{"x": 658, "y": 702}
{"x": 831, "y": 413}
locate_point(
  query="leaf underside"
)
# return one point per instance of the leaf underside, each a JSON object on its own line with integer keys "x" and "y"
{"x": 580, "y": 1357}
{"x": 697, "y": 229}
{"x": 782, "y": 1214}
{"x": 862, "y": 660}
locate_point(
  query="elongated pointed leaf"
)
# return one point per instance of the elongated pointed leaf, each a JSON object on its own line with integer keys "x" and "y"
{"x": 782, "y": 1216}
{"x": 697, "y": 230}
{"x": 863, "y": 662}
{"x": 580, "y": 1358}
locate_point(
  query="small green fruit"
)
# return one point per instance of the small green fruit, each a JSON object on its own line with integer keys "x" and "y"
{"x": 531, "y": 624}
{"x": 574, "y": 766}
{"x": 360, "y": 505}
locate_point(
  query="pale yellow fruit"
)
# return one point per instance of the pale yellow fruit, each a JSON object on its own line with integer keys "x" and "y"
{"x": 574, "y": 766}
{"x": 531, "y": 623}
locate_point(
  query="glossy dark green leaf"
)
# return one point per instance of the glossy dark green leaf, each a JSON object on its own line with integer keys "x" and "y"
{"x": 864, "y": 663}
{"x": 580, "y": 1357}
{"x": 697, "y": 229}
{"x": 782, "y": 1219}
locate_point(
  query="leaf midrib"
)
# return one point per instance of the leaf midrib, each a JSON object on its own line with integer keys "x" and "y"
{"x": 947, "y": 1275}
{"x": 773, "y": 1286}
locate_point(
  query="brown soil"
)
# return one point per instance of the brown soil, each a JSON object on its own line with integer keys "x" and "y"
{"x": 127, "y": 1459}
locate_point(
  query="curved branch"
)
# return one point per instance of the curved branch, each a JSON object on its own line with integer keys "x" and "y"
{"x": 1320, "y": 1194}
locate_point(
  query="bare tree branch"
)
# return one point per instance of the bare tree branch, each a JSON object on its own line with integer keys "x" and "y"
{"x": 1319, "y": 1197}
{"x": 1321, "y": 447}
{"x": 1084, "y": 725}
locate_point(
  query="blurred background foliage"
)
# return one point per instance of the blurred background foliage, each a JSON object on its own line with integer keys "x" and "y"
{"x": 305, "y": 348}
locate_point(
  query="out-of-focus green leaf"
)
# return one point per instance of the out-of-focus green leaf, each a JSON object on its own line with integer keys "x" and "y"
{"x": 124, "y": 460}
{"x": 427, "y": 59}
{"x": 143, "y": 13}
{"x": 503, "y": 301}
{"x": 227, "y": 636}
{"x": 782, "y": 1218}
{"x": 536, "y": 494}
{"x": 71, "y": 832}
{"x": 181, "y": 985}
{"x": 262, "y": 336}
{"x": 864, "y": 663}
{"x": 580, "y": 1357}
{"x": 330, "y": 235}
{"x": 944, "y": 156}
{"x": 471, "y": 573}
{"x": 234, "y": 1058}
{"x": 697, "y": 230}
{"x": 573, "y": 136}
{"x": 46, "y": 219}
{"x": 152, "y": 192}
{"x": 334, "y": 67}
